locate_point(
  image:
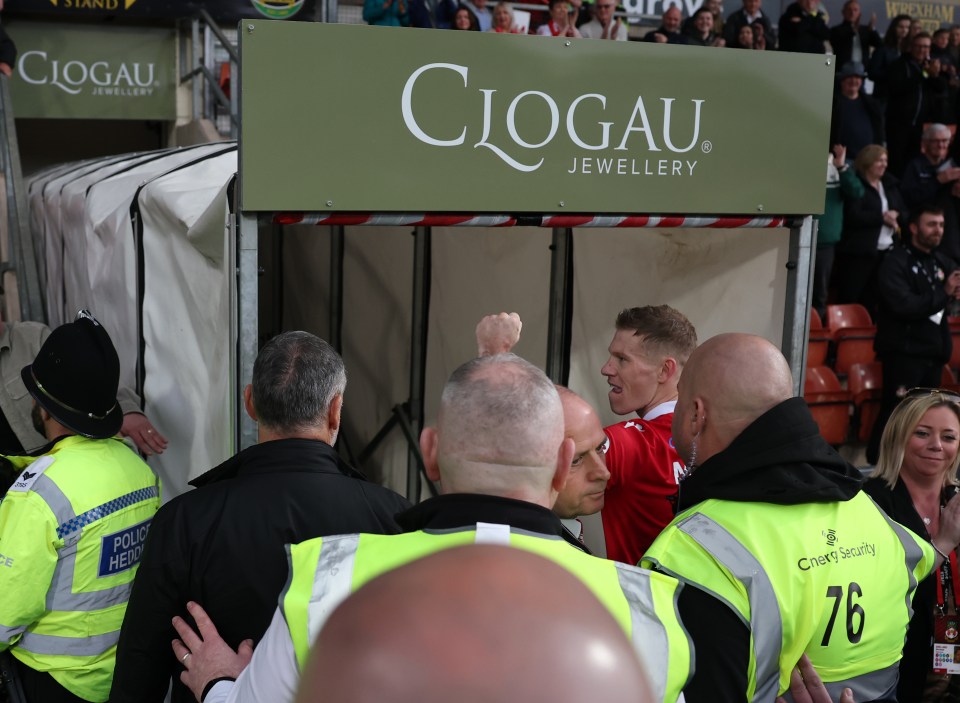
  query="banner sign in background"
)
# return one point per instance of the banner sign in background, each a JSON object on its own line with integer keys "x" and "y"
{"x": 89, "y": 72}
{"x": 475, "y": 122}
{"x": 225, "y": 11}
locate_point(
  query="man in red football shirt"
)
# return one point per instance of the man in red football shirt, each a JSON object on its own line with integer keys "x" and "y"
{"x": 647, "y": 354}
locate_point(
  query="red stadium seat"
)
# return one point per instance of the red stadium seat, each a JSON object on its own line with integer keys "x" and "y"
{"x": 849, "y": 315}
{"x": 854, "y": 346}
{"x": 818, "y": 342}
{"x": 829, "y": 404}
{"x": 865, "y": 383}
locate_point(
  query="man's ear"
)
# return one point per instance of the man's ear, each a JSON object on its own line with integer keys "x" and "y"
{"x": 698, "y": 416}
{"x": 669, "y": 369}
{"x": 428, "y": 447}
{"x": 248, "y": 402}
{"x": 333, "y": 414}
{"x": 564, "y": 459}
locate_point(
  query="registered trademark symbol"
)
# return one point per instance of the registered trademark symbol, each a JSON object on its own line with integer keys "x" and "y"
{"x": 706, "y": 147}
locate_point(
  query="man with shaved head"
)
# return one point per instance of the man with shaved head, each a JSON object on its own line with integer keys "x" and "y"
{"x": 500, "y": 456}
{"x": 505, "y": 637}
{"x": 780, "y": 550}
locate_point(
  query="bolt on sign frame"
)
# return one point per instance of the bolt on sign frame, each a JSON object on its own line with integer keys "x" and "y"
{"x": 346, "y": 125}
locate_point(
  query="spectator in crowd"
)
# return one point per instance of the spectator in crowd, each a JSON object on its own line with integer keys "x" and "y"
{"x": 852, "y": 41}
{"x": 870, "y": 225}
{"x": 8, "y": 51}
{"x": 916, "y": 26}
{"x": 223, "y": 544}
{"x": 491, "y": 603}
{"x": 464, "y": 19}
{"x": 931, "y": 172}
{"x": 746, "y": 39}
{"x": 500, "y": 456}
{"x": 563, "y": 23}
{"x": 803, "y": 28}
{"x": 948, "y": 197}
{"x": 669, "y": 30}
{"x": 894, "y": 44}
{"x": 842, "y": 186}
{"x": 857, "y": 119}
{"x": 940, "y": 50}
{"x": 386, "y": 13}
{"x": 913, "y": 481}
{"x": 583, "y": 493}
{"x": 649, "y": 349}
{"x": 916, "y": 284}
{"x": 702, "y": 33}
{"x": 745, "y": 16}
{"x": 480, "y": 11}
{"x": 503, "y": 22}
{"x": 716, "y": 12}
{"x": 771, "y": 521}
{"x": 604, "y": 25}
{"x": 432, "y": 14}
{"x": 73, "y": 523}
{"x": 916, "y": 91}
{"x": 954, "y": 46}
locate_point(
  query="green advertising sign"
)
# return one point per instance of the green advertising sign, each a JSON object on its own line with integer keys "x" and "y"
{"x": 86, "y": 72}
{"x": 358, "y": 118}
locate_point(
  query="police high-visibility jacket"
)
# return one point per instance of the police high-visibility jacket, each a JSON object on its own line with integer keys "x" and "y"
{"x": 72, "y": 528}
{"x": 644, "y": 603}
{"x": 834, "y": 580}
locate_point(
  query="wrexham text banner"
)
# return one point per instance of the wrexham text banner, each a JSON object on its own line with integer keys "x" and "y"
{"x": 344, "y": 117}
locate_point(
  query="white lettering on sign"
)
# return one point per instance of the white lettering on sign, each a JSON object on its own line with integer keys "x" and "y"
{"x": 637, "y": 129}
{"x": 36, "y": 68}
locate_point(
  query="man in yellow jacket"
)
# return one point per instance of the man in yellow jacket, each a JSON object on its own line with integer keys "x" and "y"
{"x": 73, "y": 524}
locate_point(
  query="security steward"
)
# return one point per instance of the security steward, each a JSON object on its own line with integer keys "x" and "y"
{"x": 780, "y": 551}
{"x": 73, "y": 524}
{"x": 501, "y": 458}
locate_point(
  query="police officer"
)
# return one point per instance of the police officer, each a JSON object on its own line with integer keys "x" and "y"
{"x": 73, "y": 524}
{"x": 780, "y": 550}
{"x": 500, "y": 456}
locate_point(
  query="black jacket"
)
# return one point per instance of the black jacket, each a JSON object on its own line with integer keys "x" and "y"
{"x": 780, "y": 458}
{"x": 841, "y": 39}
{"x": 863, "y": 217}
{"x": 223, "y": 546}
{"x": 917, "y": 652}
{"x": 802, "y": 32}
{"x": 874, "y": 114}
{"x": 738, "y": 19}
{"x": 910, "y": 291}
{"x": 912, "y": 97}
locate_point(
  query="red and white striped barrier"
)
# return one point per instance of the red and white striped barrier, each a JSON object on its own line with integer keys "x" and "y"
{"x": 440, "y": 220}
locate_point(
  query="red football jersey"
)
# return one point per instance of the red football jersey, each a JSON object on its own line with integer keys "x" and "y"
{"x": 645, "y": 470}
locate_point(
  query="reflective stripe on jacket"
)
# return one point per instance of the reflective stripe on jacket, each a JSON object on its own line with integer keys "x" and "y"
{"x": 834, "y": 580}
{"x": 72, "y": 529}
{"x": 324, "y": 571}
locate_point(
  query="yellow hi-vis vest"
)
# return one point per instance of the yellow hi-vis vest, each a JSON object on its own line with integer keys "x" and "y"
{"x": 72, "y": 528}
{"x": 324, "y": 571}
{"x": 834, "y": 580}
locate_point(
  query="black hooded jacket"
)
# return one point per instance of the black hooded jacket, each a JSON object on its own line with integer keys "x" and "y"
{"x": 780, "y": 458}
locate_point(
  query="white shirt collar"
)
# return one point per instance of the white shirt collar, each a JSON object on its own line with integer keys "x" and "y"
{"x": 661, "y": 409}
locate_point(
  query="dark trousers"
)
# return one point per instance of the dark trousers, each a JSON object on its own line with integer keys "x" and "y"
{"x": 900, "y": 374}
{"x": 856, "y": 279}
{"x": 821, "y": 278}
{"x": 40, "y": 687}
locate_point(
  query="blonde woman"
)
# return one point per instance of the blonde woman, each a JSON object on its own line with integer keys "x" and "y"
{"x": 912, "y": 482}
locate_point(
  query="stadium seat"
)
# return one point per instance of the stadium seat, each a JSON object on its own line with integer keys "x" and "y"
{"x": 865, "y": 383}
{"x": 829, "y": 404}
{"x": 854, "y": 345}
{"x": 954, "y": 362}
{"x": 849, "y": 315}
{"x": 948, "y": 379}
{"x": 818, "y": 342}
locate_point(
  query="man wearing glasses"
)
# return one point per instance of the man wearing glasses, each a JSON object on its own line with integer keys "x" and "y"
{"x": 916, "y": 282}
{"x": 932, "y": 177}
{"x": 604, "y": 25}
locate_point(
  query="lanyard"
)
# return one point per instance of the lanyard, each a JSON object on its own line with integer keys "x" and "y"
{"x": 923, "y": 268}
{"x": 949, "y": 577}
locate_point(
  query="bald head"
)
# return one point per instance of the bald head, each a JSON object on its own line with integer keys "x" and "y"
{"x": 499, "y": 431}
{"x": 729, "y": 381}
{"x": 478, "y": 624}
{"x": 583, "y": 492}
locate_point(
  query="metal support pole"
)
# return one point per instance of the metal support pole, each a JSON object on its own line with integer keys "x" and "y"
{"x": 418, "y": 350}
{"x": 195, "y": 62}
{"x": 796, "y": 317}
{"x": 245, "y": 258}
{"x": 336, "y": 287}
{"x": 560, "y": 309}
